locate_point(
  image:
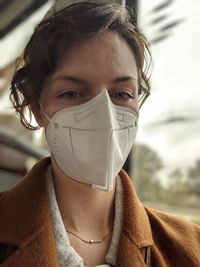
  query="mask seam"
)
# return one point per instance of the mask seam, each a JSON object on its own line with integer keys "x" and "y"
{"x": 71, "y": 144}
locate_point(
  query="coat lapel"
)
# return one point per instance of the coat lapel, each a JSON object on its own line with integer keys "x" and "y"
{"x": 136, "y": 230}
{"x": 25, "y": 221}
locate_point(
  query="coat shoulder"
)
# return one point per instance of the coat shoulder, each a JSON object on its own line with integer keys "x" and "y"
{"x": 175, "y": 239}
{"x": 172, "y": 224}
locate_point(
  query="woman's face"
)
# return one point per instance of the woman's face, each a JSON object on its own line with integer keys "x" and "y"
{"x": 83, "y": 71}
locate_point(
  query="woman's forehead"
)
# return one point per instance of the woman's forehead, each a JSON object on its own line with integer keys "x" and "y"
{"x": 101, "y": 54}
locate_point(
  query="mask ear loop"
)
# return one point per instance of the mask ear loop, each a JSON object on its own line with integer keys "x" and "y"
{"x": 124, "y": 3}
{"x": 44, "y": 113}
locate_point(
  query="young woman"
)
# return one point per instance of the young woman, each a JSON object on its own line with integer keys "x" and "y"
{"x": 83, "y": 78}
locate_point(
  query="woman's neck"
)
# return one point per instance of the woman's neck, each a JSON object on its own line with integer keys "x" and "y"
{"x": 86, "y": 211}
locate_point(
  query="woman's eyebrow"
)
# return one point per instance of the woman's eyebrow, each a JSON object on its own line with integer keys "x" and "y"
{"x": 83, "y": 81}
{"x": 72, "y": 79}
{"x": 124, "y": 79}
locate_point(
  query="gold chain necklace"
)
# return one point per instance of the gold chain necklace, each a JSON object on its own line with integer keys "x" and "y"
{"x": 91, "y": 242}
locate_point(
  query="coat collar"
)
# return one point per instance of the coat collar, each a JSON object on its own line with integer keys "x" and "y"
{"x": 136, "y": 234}
{"x": 136, "y": 222}
{"x": 24, "y": 209}
{"x": 25, "y": 215}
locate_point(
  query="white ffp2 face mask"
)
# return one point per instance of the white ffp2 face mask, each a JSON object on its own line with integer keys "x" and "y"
{"x": 91, "y": 141}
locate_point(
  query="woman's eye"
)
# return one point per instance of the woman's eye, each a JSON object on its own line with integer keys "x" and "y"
{"x": 122, "y": 95}
{"x": 70, "y": 94}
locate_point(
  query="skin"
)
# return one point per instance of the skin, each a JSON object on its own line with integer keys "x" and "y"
{"x": 83, "y": 71}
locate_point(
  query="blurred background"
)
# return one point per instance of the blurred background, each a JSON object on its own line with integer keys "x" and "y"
{"x": 165, "y": 162}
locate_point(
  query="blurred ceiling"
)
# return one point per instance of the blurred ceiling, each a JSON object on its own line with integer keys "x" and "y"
{"x": 13, "y": 12}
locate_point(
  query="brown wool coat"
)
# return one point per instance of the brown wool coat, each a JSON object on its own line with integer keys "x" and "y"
{"x": 147, "y": 235}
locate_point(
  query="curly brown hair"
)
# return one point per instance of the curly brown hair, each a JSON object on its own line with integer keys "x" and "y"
{"x": 61, "y": 30}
